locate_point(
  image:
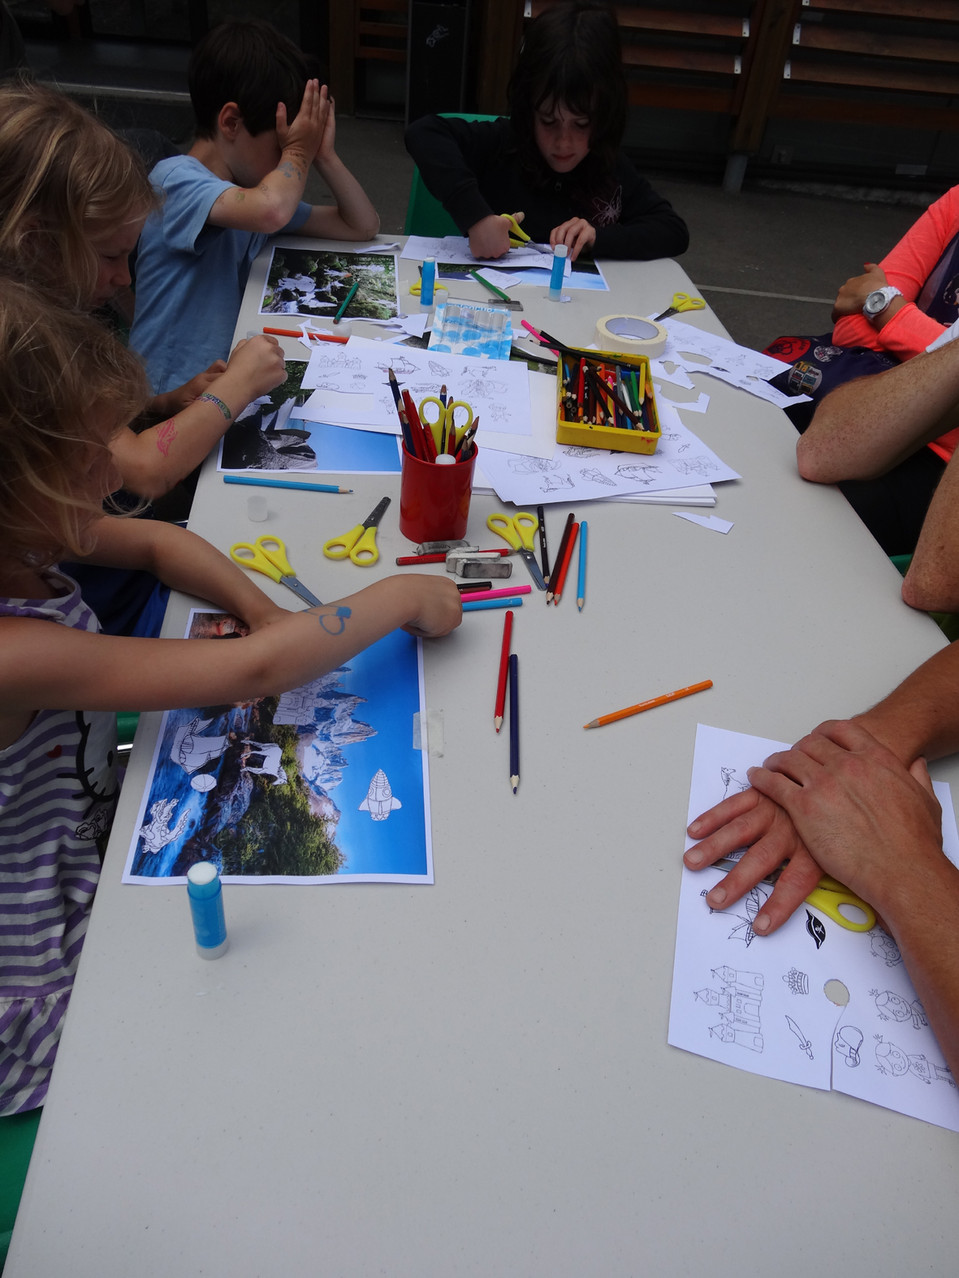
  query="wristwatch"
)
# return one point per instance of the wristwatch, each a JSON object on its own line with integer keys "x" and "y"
{"x": 878, "y": 300}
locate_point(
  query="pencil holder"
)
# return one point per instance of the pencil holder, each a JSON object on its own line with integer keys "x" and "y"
{"x": 435, "y": 498}
{"x": 641, "y": 436}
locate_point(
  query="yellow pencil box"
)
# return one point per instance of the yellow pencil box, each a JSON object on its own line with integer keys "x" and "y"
{"x": 614, "y": 437}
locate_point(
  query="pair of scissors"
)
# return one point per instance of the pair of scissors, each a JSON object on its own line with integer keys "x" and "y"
{"x": 359, "y": 544}
{"x": 268, "y": 555}
{"x": 828, "y": 896}
{"x": 518, "y": 531}
{"x": 682, "y": 302}
{"x": 444, "y": 425}
{"x": 519, "y": 239}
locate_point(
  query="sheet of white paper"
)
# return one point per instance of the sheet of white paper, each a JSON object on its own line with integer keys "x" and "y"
{"x": 737, "y": 365}
{"x": 455, "y": 251}
{"x": 350, "y": 386}
{"x": 712, "y": 522}
{"x": 575, "y": 473}
{"x": 759, "y": 1003}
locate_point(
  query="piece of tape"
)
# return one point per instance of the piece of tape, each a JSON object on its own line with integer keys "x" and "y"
{"x": 630, "y": 335}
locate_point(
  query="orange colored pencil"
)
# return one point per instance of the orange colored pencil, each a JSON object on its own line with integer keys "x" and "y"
{"x": 648, "y": 705}
{"x": 503, "y": 671}
{"x": 311, "y": 333}
{"x": 561, "y": 575}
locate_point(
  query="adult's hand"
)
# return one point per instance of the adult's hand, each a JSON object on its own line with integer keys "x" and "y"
{"x": 852, "y": 295}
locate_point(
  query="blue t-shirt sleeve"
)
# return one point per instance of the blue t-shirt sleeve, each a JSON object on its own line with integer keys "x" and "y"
{"x": 189, "y": 191}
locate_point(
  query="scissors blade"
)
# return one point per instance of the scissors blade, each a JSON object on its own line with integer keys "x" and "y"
{"x": 298, "y": 588}
{"x": 534, "y": 569}
{"x": 376, "y": 514}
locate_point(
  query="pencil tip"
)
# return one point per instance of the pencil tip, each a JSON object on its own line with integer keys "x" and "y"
{"x": 579, "y": 604}
{"x": 592, "y": 724}
{"x": 514, "y": 781}
{"x": 498, "y": 722}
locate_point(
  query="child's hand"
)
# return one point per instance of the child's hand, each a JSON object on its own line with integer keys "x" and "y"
{"x": 577, "y": 233}
{"x": 174, "y": 401}
{"x": 258, "y": 365}
{"x": 327, "y": 147}
{"x": 303, "y": 136}
{"x": 489, "y": 237}
{"x": 439, "y": 604}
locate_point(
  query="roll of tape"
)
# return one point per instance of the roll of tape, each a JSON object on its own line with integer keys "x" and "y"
{"x": 630, "y": 335}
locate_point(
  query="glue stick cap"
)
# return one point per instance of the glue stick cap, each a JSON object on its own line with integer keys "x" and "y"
{"x": 444, "y": 459}
{"x": 206, "y": 906}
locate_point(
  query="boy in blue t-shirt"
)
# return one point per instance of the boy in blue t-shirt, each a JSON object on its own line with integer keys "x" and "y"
{"x": 260, "y": 123}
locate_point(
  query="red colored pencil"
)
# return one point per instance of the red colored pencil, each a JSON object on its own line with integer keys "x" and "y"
{"x": 503, "y": 669}
{"x": 563, "y": 542}
{"x": 561, "y": 575}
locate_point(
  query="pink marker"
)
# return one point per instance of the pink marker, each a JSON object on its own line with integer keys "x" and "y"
{"x": 496, "y": 594}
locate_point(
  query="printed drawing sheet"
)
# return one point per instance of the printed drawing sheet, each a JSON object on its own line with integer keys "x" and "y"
{"x": 319, "y": 785}
{"x": 777, "y": 1005}
{"x": 350, "y": 387}
{"x": 575, "y": 473}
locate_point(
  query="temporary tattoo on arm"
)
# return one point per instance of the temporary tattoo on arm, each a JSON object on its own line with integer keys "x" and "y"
{"x": 166, "y": 434}
{"x": 289, "y": 170}
{"x": 332, "y": 620}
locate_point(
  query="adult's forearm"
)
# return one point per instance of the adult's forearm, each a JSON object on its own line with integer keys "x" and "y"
{"x": 921, "y": 715}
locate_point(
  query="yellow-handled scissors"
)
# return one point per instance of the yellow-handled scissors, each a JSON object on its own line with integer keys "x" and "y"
{"x": 417, "y": 288}
{"x": 359, "y": 544}
{"x": 829, "y": 896}
{"x": 517, "y": 531}
{"x": 682, "y": 302}
{"x": 444, "y": 424}
{"x": 518, "y": 237}
{"x": 268, "y": 555}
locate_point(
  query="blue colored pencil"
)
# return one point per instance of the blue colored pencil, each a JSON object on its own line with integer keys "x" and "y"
{"x": 480, "y": 605}
{"x": 581, "y": 586}
{"x": 258, "y": 481}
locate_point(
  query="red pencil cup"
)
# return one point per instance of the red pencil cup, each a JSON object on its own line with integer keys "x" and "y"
{"x": 435, "y": 498}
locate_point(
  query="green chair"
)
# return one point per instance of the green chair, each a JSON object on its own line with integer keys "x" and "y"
{"x": 17, "y": 1134}
{"x": 425, "y": 215}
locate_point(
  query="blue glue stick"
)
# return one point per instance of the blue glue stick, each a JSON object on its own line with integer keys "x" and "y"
{"x": 427, "y": 282}
{"x": 558, "y": 272}
{"x": 206, "y": 905}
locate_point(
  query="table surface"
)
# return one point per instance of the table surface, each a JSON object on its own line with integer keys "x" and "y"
{"x": 473, "y": 1077}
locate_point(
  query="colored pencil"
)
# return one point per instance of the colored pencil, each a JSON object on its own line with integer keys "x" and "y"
{"x": 349, "y": 298}
{"x": 581, "y": 588}
{"x": 559, "y": 576}
{"x": 474, "y": 588}
{"x": 563, "y": 541}
{"x": 514, "y": 721}
{"x": 481, "y": 605}
{"x": 543, "y": 552}
{"x": 500, "y": 705}
{"x": 257, "y": 482}
{"x": 394, "y": 385}
{"x": 314, "y": 336}
{"x": 500, "y": 593}
{"x": 648, "y": 705}
{"x": 488, "y": 284}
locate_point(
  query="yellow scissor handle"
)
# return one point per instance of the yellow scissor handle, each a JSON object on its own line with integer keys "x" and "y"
{"x": 830, "y": 899}
{"x": 252, "y": 556}
{"x": 683, "y": 302}
{"x": 359, "y": 545}
{"x": 441, "y": 410}
{"x": 275, "y": 551}
{"x": 516, "y": 232}
{"x": 417, "y": 288}
{"x": 518, "y": 531}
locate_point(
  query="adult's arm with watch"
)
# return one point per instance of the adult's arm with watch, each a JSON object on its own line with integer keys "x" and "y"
{"x": 906, "y": 330}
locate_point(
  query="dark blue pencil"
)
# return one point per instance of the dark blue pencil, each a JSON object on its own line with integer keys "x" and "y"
{"x": 514, "y": 721}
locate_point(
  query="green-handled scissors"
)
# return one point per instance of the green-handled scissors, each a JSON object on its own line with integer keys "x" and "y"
{"x": 829, "y": 896}
{"x": 682, "y": 302}
{"x": 518, "y": 531}
{"x": 359, "y": 544}
{"x": 268, "y": 555}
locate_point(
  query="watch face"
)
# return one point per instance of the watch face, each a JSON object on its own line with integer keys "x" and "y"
{"x": 875, "y": 302}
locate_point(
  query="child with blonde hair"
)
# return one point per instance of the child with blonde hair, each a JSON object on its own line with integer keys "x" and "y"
{"x": 66, "y": 387}
{"x": 73, "y": 200}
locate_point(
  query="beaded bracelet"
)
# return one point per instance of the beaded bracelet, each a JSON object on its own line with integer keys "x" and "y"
{"x": 214, "y": 399}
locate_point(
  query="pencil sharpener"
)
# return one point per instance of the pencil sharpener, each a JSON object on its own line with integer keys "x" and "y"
{"x": 441, "y": 547}
{"x": 467, "y": 563}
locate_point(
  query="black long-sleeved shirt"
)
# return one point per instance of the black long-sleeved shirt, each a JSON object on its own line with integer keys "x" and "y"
{"x": 474, "y": 169}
